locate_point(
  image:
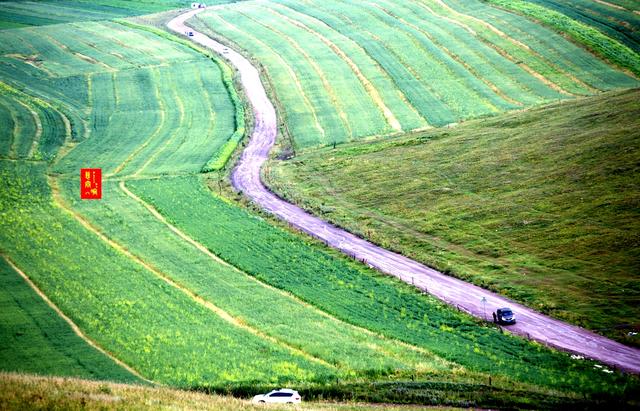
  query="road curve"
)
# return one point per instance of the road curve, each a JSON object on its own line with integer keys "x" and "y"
{"x": 467, "y": 297}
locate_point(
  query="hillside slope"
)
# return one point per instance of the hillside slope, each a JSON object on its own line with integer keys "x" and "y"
{"x": 343, "y": 71}
{"x": 540, "y": 205}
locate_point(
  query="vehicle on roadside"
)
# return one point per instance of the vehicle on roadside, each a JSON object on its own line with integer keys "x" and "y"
{"x": 504, "y": 316}
{"x": 281, "y": 396}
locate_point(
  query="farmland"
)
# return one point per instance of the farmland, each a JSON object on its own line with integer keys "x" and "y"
{"x": 348, "y": 291}
{"x": 370, "y": 69}
{"x": 16, "y": 14}
{"x": 35, "y": 339}
{"x": 620, "y": 23}
{"x": 538, "y": 206}
{"x": 196, "y": 290}
{"x": 615, "y": 41}
{"x": 102, "y": 92}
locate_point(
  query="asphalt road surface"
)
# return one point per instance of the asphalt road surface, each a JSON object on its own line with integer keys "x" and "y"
{"x": 467, "y": 297}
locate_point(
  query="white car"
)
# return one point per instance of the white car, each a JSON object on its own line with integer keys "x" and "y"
{"x": 282, "y": 396}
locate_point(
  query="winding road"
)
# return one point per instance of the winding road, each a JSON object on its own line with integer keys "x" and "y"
{"x": 467, "y": 297}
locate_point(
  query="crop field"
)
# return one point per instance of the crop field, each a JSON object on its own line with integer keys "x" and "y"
{"x": 619, "y": 23}
{"x": 169, "y": 338}
{"x": 343, "y": 71}
{"x": 615, "y": 41}
{"x": 33, "y": 338}
{"x": 32, "y": 129}
{"x": 357, "y": 295}
{"x": 353, "y": 351}
{"x": 149, "y": 105}
{"x": 193, "y": 290}
{"x": 16, "y": 14}
{"x": 540, "y": 206}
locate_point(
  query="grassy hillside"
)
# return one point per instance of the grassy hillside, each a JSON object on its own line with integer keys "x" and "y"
{"x": 541, "y": 206}
{"x": 343, "y": 71}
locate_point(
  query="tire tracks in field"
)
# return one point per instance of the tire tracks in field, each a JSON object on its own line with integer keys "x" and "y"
{"x": 73, "y": 326}
{"x": 246, "y": 177}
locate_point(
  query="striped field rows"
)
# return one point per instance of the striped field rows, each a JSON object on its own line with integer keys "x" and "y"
{"x": 343, "y": 70}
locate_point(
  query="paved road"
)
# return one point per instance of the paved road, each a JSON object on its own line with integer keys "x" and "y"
{"x": 465, "y": 296}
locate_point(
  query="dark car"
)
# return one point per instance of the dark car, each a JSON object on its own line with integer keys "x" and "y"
{"x": 504, "y": 316}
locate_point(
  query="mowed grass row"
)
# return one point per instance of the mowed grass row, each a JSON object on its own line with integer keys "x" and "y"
{"x": 342, "y": 70}
{"x": 357, "y": 295}
{"x": 157, "y": 329}
{"x": 137, "y": 103}
{"x": 354, "y": 352}
{"x": 540, "y": 206}
{"x": 34, "y": 339}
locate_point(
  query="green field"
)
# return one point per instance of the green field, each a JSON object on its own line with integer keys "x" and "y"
{"x": 34, "y": 339}
{"x": 194, "y": 290}
{"x": 621, "y": 23}
{"x": 612, "y": 39}
{"x": 139, "y": 104}
{"x": 540, "y": 206}
{"x": 343, "y": 71}
{"x": 16, "y": 14}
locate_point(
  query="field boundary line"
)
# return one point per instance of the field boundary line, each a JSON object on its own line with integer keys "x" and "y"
{"x": 284, "y": 293}
{"x": 170, "y": 140}
{"x": 292, "y": 73}
{"x": 73, "y": 325}
{"x": 77, "y": 54}
{"x": 615, "y": 6}
{"x": 321, "y": 74}
{"x": 17, "y": 127}
{"x": 368, "y": 86}
{"x": 60, "y": 202}
{"x": 453, "y": 56}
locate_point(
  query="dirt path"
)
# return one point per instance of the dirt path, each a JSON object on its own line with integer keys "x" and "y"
{"x": 467, "y": 297}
